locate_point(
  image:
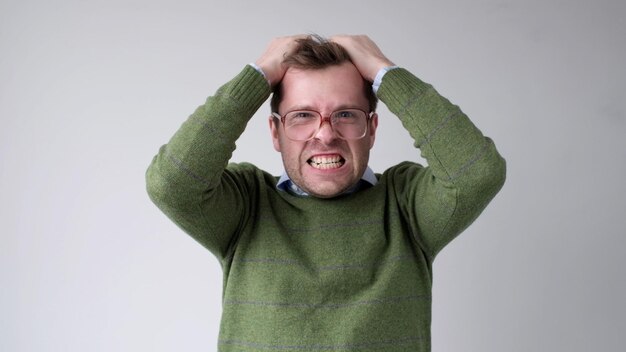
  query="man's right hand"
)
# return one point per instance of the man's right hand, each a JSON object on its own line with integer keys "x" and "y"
{"x": 271, "y": 62}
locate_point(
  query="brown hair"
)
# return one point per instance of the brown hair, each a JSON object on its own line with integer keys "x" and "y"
{"x": 314, "y": 53}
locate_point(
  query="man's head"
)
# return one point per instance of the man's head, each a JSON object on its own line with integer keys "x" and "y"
{"x": 316, "y": 53}
{"x": 321, "y": 78}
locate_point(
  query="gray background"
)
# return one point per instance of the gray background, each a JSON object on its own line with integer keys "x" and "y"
{"x": 90, "y": 89}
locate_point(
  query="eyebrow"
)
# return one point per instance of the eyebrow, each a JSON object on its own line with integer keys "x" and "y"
{"x": 309, "y": 108}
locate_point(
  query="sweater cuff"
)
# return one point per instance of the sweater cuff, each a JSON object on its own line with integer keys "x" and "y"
{"x": 399, "y": 85}
{"x": 249, "y": 88}
{"x": 379, "y": 77}
{"x": 258, "y": 68}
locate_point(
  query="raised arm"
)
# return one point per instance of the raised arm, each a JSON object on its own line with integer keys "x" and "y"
{"x": 464, "y": 171}
{"x": 189, "y": 180}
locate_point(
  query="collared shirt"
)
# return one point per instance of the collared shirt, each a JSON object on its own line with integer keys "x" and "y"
{"x": 367, "y": 180}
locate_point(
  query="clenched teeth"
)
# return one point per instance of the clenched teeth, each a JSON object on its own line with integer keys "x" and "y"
{"x": 326, "y": 162}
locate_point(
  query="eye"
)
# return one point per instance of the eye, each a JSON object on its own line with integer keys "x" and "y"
{"x": 344, "y": 114}
{"x": 302, "y": 114}
{"x": 301, "y": 117}
{"x": 349, "y": 116}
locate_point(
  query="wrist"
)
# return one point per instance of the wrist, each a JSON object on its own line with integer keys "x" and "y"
{"x": 273, "y": 72}
{"x": 379, "y": 77}
{"x": 260, "y": 70}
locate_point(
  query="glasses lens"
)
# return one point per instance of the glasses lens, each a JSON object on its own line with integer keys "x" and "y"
{"x": 302, "y": 125}
{"x": 349, "y": 123}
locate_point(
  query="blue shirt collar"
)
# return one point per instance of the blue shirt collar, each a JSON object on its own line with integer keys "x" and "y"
{"x": 367, "y": 180}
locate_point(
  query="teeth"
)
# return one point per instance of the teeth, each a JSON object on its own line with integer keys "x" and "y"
{"x": 326, "y": 162}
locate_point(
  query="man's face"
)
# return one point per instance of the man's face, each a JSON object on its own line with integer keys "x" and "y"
{"x": 326, "y": 165}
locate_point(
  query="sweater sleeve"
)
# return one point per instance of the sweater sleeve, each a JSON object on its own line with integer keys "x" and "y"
{"x": 188, "y": 178}
{"x": 464, "y": 172}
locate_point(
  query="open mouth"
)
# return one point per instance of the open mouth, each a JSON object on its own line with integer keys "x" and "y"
{"x": 326, "y": 162}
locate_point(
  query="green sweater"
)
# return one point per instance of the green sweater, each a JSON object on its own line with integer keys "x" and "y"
{"x": 351, "y": 273}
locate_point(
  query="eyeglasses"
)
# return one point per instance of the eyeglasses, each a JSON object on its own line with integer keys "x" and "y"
{"x": 303, "y": 125}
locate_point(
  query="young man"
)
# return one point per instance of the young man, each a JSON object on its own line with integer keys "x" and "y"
{"x": 330, "y": 256}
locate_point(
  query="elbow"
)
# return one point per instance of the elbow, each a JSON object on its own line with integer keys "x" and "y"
{"x": 491, "y": 178}
{"x": 163, "y": 192}
{"x": 497, "y": 176}
{"x": 156, "y": 187}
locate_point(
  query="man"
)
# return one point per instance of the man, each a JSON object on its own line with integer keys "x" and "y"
{"x": 330, "y": 256}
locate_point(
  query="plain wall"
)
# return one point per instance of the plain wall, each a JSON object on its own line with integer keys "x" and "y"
{"x": 89, "y": 90}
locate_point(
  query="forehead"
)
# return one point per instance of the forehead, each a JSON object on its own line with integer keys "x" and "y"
{"x": 323, "y": 89}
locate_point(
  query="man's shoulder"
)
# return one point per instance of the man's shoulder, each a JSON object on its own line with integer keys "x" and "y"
{"x": 245, "y": 171}
{"x": 404, "y": 167}
{"x": 402, "y": 176}
{"x": 246, "y": 167}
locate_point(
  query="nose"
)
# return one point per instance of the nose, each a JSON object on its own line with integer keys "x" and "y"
{"x": 326, "y": 134}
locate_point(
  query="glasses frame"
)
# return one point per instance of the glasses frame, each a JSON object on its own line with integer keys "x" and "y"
{"x": 368, "y": 118}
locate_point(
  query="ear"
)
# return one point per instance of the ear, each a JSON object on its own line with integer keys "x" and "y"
{"x": 371, "y": 134}
{"x": 274, "y": 131}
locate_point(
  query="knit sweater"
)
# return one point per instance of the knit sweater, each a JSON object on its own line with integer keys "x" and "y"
{"x": 351, "y": 273}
